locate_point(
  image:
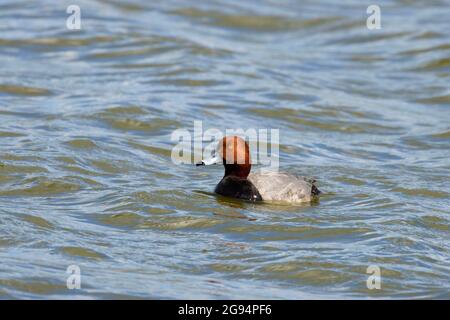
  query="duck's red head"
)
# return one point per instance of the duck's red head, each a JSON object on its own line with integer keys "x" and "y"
{"x": 235, "y": 155}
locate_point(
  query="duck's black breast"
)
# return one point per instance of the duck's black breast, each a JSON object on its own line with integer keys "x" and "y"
{"x": 236, "y": 187}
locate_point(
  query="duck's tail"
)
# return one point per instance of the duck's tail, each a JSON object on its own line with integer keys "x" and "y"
{"x": 314, "y": 191}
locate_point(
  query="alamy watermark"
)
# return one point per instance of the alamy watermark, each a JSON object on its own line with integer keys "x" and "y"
{"x": 193, "y": 147}
{"x": 374, "y": 280}
{"x": 373, "y": 22}
{"x": 73, "y": 22}
{"x": 74, "y": 279}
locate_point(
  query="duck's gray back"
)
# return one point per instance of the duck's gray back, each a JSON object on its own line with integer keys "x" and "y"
{"x": 283, "y": 187}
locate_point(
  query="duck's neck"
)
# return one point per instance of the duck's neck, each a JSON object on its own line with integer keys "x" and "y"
{"x": 237, "y": 170}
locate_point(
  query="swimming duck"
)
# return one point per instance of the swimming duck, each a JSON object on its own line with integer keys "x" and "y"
{"x": 234, "y": 153}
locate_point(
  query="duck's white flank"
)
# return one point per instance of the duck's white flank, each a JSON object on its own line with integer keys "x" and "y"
{"x": 282, "y": 187}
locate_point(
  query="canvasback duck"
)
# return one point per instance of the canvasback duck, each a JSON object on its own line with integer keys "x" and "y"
{"x": 234, "y": 153}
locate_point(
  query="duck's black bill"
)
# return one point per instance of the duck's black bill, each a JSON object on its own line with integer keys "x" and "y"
{"x": 201, "y": 163}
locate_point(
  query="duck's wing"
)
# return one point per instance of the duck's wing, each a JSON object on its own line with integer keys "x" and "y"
{"x": 278, "y": 186}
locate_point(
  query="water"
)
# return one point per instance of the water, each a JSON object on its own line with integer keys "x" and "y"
{"x": 86, "y": 176}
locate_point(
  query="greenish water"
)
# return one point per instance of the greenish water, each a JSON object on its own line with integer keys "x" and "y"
{"x": 86, "y": 176}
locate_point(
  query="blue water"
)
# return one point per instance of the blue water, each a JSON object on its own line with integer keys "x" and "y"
{"x": 87, "y": 179}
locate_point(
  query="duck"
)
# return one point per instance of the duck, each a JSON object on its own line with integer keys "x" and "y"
{"x": 238, "y": 182}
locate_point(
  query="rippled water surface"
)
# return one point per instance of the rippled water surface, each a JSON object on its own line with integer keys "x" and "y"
{"x": 86, "y": 176}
